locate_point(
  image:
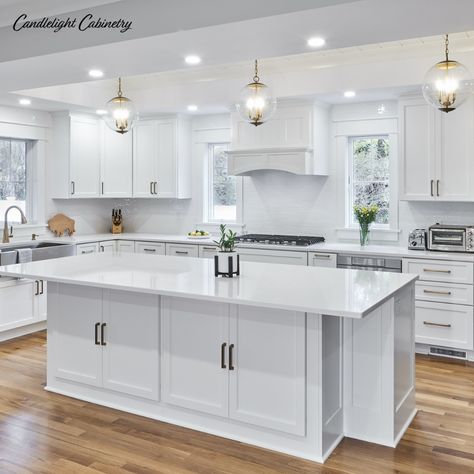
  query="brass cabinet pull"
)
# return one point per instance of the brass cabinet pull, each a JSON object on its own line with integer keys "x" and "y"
{"x": 223, "y": 346}
{"x": 96, "y": 334}
{"x": 433, "y": 292}
{"x": 435, "y": 270}
{"x": 431, "y": 188}
{"x": 439, "y": 325}
{"x": 102, "y": 334}
{"x": 437, "y": 187}
{"x": 231, "y": 357}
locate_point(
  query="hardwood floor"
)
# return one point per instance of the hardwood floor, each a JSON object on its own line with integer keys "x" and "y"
{"x": 42, "y": 432}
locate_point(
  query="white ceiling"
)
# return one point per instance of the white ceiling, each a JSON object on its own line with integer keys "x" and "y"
{"x": 159, "y": 81}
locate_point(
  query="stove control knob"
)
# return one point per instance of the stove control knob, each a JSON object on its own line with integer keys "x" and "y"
{"x": 413, "y": 244}
{"x": 469, "y": 233}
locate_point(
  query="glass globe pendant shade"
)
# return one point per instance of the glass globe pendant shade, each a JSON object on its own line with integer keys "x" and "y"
{"x": 447, "y": 84}
{"x": 256, "y": 102}
{"x": 121, "y": 112}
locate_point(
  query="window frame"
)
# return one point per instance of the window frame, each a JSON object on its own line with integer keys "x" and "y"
{"x": 208, "y": 191}
{"x": 392, "y": 224}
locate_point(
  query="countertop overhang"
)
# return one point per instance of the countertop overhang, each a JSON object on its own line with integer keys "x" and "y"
{"x": 334, "y": 292}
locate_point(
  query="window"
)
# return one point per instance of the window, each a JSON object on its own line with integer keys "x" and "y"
{"x": 223, "y": 190}
{"x": 13, "y": 183}
{"x": 369, "y": 176}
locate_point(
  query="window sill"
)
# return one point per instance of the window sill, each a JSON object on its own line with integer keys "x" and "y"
{"x": 376, "y": 234}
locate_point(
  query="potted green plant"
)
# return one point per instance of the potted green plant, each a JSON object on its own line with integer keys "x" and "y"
{"x": 227, "y": 260}
{"x": 365, "y": 215}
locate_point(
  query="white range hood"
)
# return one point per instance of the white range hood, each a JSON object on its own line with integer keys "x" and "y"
{"x": 295, "y": 140}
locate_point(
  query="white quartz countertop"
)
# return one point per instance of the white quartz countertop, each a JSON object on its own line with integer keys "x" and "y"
{"x": 336, "y": 292}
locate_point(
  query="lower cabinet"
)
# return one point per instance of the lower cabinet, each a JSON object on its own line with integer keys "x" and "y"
{"x": 290, "y": 257}
{"x": 126, "y": 246}
{"x": 108, "y": 246}
{"x": 83, "y": 249}
{"x": 244, "y": 363}
{"x": 207, "y": 251}
{"x": 151, "y": 248}
{"x": 318, "y": 259}
{"x": 182, "y": 250}
{"x": 105, "y": 338}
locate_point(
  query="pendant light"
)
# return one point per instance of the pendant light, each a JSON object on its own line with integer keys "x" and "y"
{"x": 447, "y": 84}
{"x": 256, "y": 102}
{"x": 120, "y": 112}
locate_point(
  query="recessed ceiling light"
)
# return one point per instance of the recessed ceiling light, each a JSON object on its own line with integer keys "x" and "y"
{"x": 101, "y": 112}
{"x": 316, "y": 42}
{"x": 24, "y": 102}
{"x": 192, "y": 108}
{"x": 349, "y": 94}
{"x": 96, "y": 73}
{"x": 192, "y": 59}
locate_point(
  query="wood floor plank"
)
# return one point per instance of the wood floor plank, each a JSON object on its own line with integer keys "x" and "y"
{"x": 43, "y": 433}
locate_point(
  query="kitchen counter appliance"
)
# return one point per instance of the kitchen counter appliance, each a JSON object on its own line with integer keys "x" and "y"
{"x": 417, "y": 239}
{"x": 294, "y": 240}
{"x": 451, "y": 238}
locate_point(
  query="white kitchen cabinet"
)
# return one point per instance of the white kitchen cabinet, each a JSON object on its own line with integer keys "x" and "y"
{"x": 126, "y": 246}
{"x": 74, "y": 167}
{"x": 244, "y": 363}
{"x": 131, "y": 337}
{"x": 161, "y": 158}
{"x": 116, "y": 163}
{"x": 440, "y": 270}
{"x": 17, "y": 303}
{"x": 436, "y": 151}
{"x": 83, "y": 249}
{"x": 105, "y": 338}
{"x": 107, "y": 246}
{"x": 267, "y": 371}
{"x": 290, "y": 257}
{"x": 321, "y": 259}
{"x": 182, "y": 250}
{"x": 74, "y": 341}
{"x": 150, "y": 248}
{"x": 207, "y": 251}
{"x": 195, "y": 338}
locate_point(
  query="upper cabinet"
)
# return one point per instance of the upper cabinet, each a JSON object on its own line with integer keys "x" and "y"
{"x": 294, "y": 140}
{"x": 91, "y": 161}
{"x": 436, "y": 152}
{"x": 162, "y": 159}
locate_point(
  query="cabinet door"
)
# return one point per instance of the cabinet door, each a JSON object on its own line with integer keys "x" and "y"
{"x": 273, "y": 256}
{"x": 318, "y": 259}
{"x": 193, "y": 333}
{"x": 107, "y": 246}
{"x": 455, "y": 165}
{"x": 180, "y": 250}
{"x": 17, "y": 303}
{"x": 267, "y": 385}
{"x": 144, "y": 158}
{"x": 417, "y": 150}
{"x": 444, "y": 324}
{"x": 166, "y": 177}
{"x": 84, "y": 168}
{"x": 150, "y": 248}
{"x": 75, "y": 312}
{"x": 41, "y": 301}
{"x": 131, "y": 335}
{"x": 116, "y": 168}
{"x": 206, "y": 251}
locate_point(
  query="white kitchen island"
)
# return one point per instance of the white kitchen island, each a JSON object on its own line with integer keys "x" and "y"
{"x": 289, "y": 358}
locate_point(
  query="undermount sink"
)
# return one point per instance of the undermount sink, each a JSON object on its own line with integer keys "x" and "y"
{"x": 40, "y": 251}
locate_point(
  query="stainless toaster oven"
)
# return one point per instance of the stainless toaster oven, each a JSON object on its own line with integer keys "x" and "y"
{"x": 451, "y": 238}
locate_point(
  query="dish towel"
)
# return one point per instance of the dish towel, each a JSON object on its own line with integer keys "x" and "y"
{"x": 24, "y": 255}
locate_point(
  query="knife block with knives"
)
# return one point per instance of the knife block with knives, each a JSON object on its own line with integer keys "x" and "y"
{"x": 117, "y": 222}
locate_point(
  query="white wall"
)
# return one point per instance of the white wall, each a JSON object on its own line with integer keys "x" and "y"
{"x": 274, "y": 202}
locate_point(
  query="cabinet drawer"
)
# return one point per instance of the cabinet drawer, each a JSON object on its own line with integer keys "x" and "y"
{"x": 438, "y": 270}
{"x": 84, "y": 249}
{"x": 207, "y": 251}
{"x": 444, "y": 292}
{"x": 443, "y": 324}
{"x": 151, "y": 248}
{"x": 318, "y": 259}
{"x": 180, "y": 250}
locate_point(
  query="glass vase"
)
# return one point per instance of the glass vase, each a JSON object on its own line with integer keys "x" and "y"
{"x": 364, "y": 234}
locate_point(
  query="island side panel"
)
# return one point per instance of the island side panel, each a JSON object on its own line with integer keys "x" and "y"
{"x": 379, "y": 391}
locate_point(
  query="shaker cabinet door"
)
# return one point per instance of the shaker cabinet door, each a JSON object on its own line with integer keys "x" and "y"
{"x": 268, "y": 383}
{"x": 144, "y": 159}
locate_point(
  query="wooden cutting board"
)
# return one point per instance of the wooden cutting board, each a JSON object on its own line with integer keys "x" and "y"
{"x": 61, "y": 224}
